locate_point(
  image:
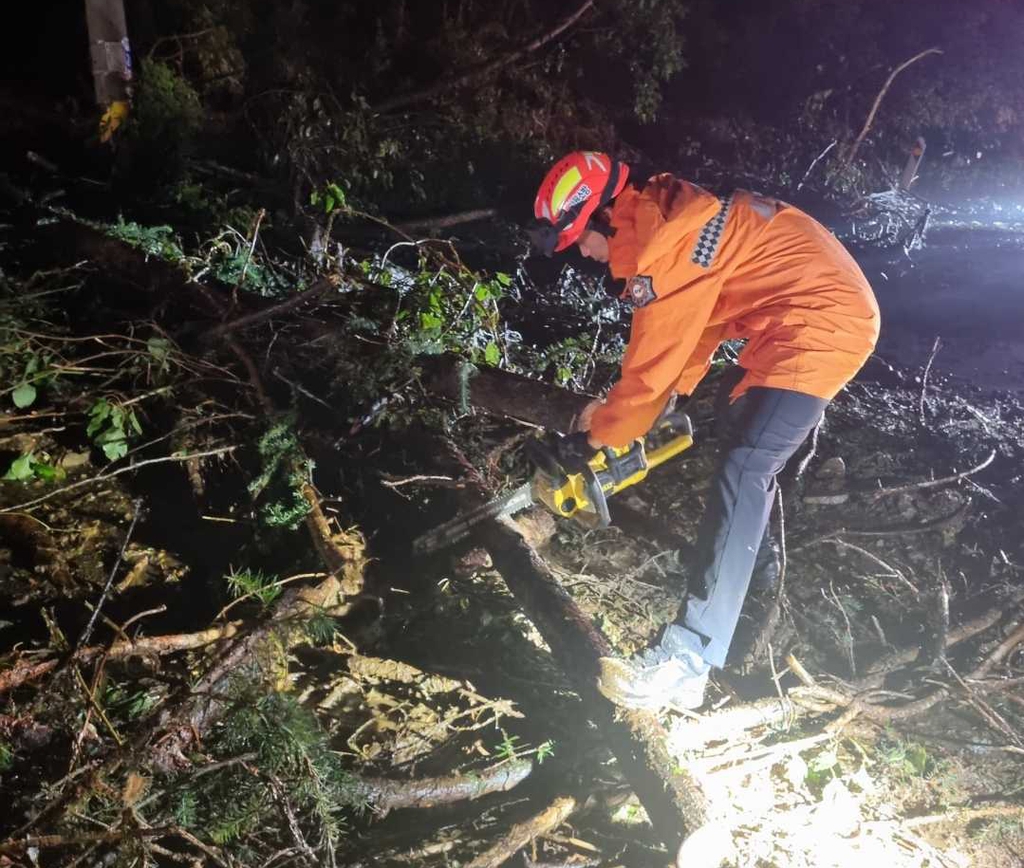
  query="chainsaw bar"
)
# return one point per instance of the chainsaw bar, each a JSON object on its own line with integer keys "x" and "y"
{"x": 459, "y": 527}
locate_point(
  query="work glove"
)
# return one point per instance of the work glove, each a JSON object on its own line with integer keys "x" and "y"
{"x": 575, "y": 451}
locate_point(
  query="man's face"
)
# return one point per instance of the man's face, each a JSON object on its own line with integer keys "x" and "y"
{"x": 593, "y": 245}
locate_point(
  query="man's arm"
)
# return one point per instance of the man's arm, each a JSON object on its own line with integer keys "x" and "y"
{"x": 700, "y": 360}
{"x": 664, "y": 339}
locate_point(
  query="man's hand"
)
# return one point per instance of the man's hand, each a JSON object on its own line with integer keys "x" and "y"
{"x": 582, "y": 422}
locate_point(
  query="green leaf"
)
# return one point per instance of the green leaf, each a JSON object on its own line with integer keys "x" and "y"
{"x": 32, "y": 365}
{"x": 492, "y": 355}
{"x": 328, "y": 203}
{"x": 20, "y": 469}
{"x": 48, "y": 472}
{"x": 133, "y": 420}
{"x": 24, "y": 395}
{"x": 544, "y": 750}
{"x": 824, "y": 761}
{"x": 917, "y": 757}
{"x": 337, "y": 194}
{"x": 115, "y": 449}
{"x": 98, "y": 414}
{"x": 503, "y": 278}
{"x": 481, "y": 292}
{"x": 159, "y": 348}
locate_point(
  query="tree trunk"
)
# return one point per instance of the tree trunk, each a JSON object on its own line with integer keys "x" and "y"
{"x": 502, "y": 392}
{"x": 674, "y": 800}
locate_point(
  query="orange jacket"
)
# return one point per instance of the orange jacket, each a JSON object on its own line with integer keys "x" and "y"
{"x": 749, "y": 267}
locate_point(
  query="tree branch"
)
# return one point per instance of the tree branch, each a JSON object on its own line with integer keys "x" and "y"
{"x": 852, "y": 153}
{"x": 407, "y": 99}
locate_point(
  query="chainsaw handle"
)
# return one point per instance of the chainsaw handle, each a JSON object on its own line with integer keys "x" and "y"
{"x": 596, "y": 496}
{"x": 620, "y": 467}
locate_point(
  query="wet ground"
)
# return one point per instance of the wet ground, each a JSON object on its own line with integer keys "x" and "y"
{"x": 966, "y": 285}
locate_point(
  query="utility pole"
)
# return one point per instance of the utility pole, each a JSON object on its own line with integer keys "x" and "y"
{"x": 111, "y": 57}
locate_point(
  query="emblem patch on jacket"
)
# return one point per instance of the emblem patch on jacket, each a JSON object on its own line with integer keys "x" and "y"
{"x": 640, "y": 290}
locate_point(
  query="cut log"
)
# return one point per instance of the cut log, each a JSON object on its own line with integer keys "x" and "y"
{"x": 502, "y": 392}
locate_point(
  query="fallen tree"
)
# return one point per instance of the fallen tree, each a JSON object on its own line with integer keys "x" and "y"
{"x": 674, "y": 799}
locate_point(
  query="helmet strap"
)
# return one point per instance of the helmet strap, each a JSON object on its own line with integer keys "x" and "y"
{"x": 608, "y": 193}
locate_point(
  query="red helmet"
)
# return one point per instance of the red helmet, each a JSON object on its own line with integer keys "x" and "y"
{"x": 574, "y": 188}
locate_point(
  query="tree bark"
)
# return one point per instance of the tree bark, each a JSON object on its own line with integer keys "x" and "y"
{"x": 522, "y": 833}
{"x": 502, "y": 392}
{"x": 675, "y": 801}
{"x": 387, "y": 794}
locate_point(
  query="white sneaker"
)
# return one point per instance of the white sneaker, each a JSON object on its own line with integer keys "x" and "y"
{"x": 667, "y": 674}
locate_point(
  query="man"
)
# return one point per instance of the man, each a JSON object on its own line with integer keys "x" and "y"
{"x": 700, "y": 270}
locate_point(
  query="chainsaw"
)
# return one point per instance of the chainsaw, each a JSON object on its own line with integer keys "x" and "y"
{"x": 575, "y": 489}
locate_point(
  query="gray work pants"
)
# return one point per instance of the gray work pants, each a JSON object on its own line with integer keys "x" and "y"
{"x": 762, "y": 430}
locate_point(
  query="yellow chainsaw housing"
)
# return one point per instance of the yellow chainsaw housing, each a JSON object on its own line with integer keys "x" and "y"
{"x": 568, "y": 496}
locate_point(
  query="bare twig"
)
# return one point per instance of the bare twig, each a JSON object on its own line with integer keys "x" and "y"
{"x": 179, "y": 38}
{"x": 849, "y": 630}
{"x": 783, "y": 558}
{"x": 102, "y": 477}
{"x": 880, "y": 668}
{"x": 990, "y": 715}
{"x": 933, "y": 483}
{"x": 852, "y": 152}
{"x": 936, "y": 646}
{"x": 321, "y": 286}
{"x": 248, "y": 256}
{"x": 141, "y": 647}
{"x": 396, "y": 483}
{"x": 49, "y": 842}
{"x": 836, "y": 541}
{"x": 87, "y": 632}
{"x": 447, "y": 220}
{"x": 1001, "y": 652}
{"x": 448, "y": 85}
{"x": 278, "y": 584}
{"x": 817, "y": 159}
{"x": 927, "y": 370}
{"x": 302, "y": 390}
{"x": 892, "y": 532}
